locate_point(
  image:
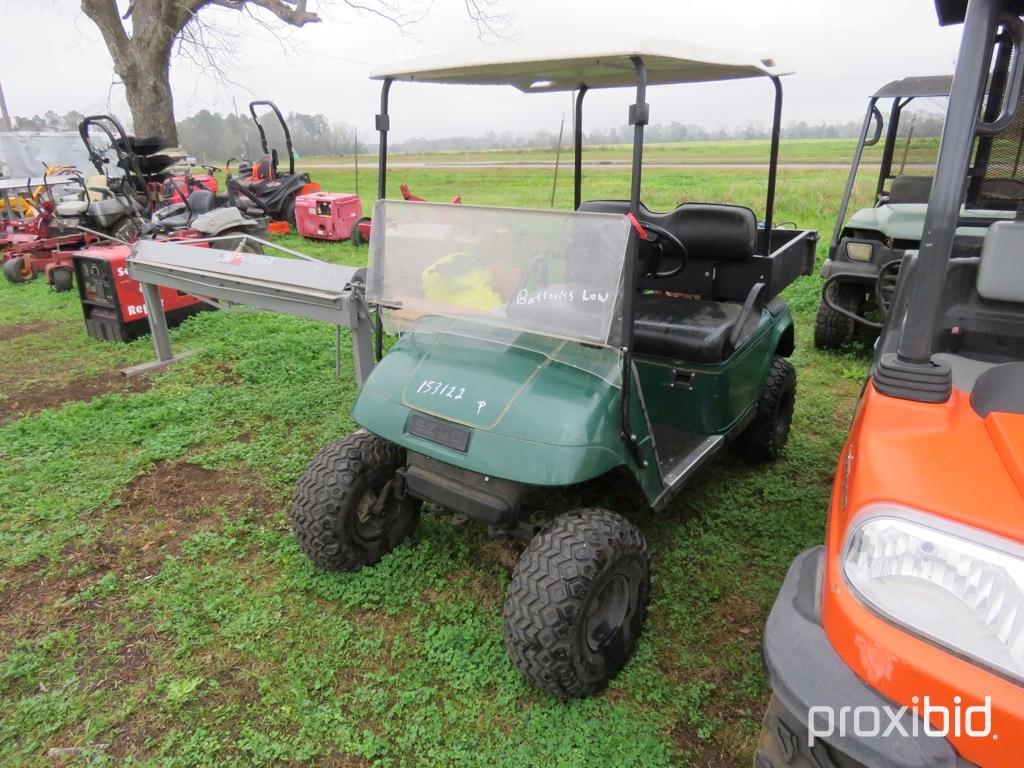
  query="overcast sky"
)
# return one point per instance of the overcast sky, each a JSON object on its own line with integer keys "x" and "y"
{"x": 840, "y": 51}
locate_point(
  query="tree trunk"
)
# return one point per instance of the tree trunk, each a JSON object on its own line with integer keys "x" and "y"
{"x": 147, "y": 86}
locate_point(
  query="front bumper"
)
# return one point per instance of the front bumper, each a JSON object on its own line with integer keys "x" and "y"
{"x": 804, "y": 672}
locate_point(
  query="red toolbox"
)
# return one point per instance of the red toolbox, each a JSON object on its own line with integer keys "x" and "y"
{"x": 327, "y": 215}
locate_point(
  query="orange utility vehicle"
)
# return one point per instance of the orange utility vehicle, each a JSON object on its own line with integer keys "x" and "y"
{"x": 900, "y": 642}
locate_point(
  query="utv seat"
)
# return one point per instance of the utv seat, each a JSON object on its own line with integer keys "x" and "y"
{"x": 705, "y": 323}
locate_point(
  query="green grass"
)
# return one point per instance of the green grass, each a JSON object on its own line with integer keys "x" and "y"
{"x": 180, "y": 625}
{"x": 792, "y": 152}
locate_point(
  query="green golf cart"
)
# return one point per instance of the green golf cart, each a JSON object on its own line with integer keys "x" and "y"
{"x": 867, "y": 246}
{"x": 544, "y": 349}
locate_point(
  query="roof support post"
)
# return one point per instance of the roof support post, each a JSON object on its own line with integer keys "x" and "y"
{"x": 858, "y": 152}
{"x": 950, "y": 179}
{"x": 577, "y": 145}
{"x": 773, "y": 163}
{"x": 383, "y": 126}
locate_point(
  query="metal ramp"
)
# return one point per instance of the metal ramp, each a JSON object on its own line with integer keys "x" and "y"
{"x": 295, "y": 284}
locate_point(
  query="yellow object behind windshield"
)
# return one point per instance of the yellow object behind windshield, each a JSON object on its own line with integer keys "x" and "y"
{"x": 461, "y": 280}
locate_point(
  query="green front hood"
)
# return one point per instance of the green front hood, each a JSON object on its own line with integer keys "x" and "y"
{"x": 516, "y": 384}
{"x": 541, "y": 410}
{"x": 905, "y": 221}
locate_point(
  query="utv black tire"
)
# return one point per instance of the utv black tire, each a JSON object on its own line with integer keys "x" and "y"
{"x": 12, "y": 270}
{"x": 333, "y": 511}
{"x": 833, "y": 330}
{"x": 577, "y": 602}
{"x": 61, "y": 280}
{"x": 357, "y": 236}
{"x": 766, "y": 436}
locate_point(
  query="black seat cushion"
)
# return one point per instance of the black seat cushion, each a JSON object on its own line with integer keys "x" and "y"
{"x": 685, "y": 329}
{"x": 202, "y": 201}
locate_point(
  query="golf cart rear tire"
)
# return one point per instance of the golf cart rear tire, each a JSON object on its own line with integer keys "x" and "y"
{"x": 577, "y": 563}
{"x": 766, "y": 436}
{"x": 61, "y": 280}
{"x": 335, "y": 491}
{"x": 833, "y": 330}
{"x": 12, "y": 270}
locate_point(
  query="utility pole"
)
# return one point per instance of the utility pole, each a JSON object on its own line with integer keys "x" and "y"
{"x": 558, "y": 157}
{"x": 5, "y": 117}
{"x": 355, "y": 154}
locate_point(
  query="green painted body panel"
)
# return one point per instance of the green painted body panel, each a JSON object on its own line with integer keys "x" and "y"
{"x": 550, "y": 407}
{"x": 545, "y": 411}
{"x": 905, "y": 221}
{"x": 718, "y": 396}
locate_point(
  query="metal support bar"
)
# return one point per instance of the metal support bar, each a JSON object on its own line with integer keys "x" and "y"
{"x": 889, "y": 149}
{"x": 852, "y": 177}
{"x": 383, "y": 126}
{"x": 773, "y": 163}
{"x": 577, "y": 147}
{"x": 915, "y": 344}
{"x": 639, "y": 115}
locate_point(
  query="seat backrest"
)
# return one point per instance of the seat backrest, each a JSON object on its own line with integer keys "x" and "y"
{"x": 1001, "y": 272}
{"x": 263, "y": 169}
{"x": 910, "y": 189}
{"x": 715, "y": 237}
{"x": 202, "y": 201}
{"x": 714, "y": 232}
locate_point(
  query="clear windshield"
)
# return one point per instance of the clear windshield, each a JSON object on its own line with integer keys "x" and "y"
{"x": 547, "y": 272}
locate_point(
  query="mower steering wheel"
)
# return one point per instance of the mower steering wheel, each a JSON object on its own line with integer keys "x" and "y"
{"x": 658, "y": 251}
{"x": 211, "y": 168}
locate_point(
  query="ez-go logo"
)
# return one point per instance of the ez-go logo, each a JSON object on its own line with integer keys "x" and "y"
{"x": 868, "y": 721}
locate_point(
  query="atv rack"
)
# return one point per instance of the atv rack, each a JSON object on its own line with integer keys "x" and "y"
{"x": 292, "y": 284}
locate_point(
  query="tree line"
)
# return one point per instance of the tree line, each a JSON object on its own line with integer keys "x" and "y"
{"x": 211, "y": 136}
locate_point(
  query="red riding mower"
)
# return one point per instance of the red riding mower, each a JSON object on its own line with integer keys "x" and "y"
{"x": 259, "y": 187}
{"x": 362, "y": 229}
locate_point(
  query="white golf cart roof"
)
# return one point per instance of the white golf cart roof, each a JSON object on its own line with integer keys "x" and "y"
{"x": 562, "y": 68}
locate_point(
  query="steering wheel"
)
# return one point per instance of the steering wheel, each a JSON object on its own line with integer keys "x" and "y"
{"x": 658, "y": 251}
{"x": 212, "y": 168}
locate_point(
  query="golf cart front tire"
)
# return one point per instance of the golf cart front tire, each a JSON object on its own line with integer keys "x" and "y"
{"x": 834, "y": 330}
{"x": 347, "y": 512}
{"x": 577, "y": 601}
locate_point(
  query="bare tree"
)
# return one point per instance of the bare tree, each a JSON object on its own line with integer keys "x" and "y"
{"x": 142, "y": 38}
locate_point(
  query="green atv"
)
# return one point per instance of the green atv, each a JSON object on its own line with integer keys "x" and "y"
{"x": 544, "y": 349}
{"x": 866, "y": 248}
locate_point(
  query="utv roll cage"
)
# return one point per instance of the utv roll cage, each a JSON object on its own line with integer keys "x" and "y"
{"x": 902, "y": 92}
{"x": 990, "y": 57}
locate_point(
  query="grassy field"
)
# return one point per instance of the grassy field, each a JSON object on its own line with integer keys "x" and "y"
{"x": 791, "y": 152}
{"x": 157, "y": 610}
